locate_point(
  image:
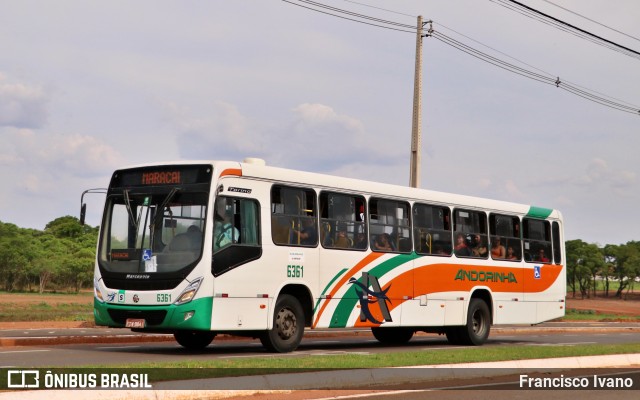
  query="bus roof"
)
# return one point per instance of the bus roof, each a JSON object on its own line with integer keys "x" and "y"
{"x": 259, "y": 170}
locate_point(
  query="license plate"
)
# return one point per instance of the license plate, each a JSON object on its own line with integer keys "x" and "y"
{"x": 135, "y": 323}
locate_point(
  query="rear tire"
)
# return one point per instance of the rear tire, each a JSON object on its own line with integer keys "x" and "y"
{"x": 288, "y": 326}
{"x": 478, "y": 326}
{"x": 194, "y": 340}
{"x": 392, "y": 335}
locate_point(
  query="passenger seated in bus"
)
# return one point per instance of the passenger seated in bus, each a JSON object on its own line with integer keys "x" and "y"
{"x": 461, "y": 249}
{"x": 342, "y": 240}
{"x": 440, "y": 251}
{"x": 307, "y": 235}
{"x": 479, "y": 248}
{"x": 542, "y": 257}
{"x": 383, "y": 243}
{"x": 511, "y": 254}
{"x": 497, "y": 249}
{"x": 360, "y": 242}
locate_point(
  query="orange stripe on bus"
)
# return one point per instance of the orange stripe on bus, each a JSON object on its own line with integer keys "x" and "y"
{"x": 360, "y": 265}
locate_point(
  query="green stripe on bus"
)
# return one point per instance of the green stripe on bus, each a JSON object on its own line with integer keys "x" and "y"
{"x": 327, "y": 288}
{"x": 539, "y": 212}
{"x": 349, "y": 300}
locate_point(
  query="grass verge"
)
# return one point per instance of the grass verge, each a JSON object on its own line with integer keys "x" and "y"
{"x": 15, "y": 307}
{"x": 305, "y": 363}
{"x": 593, "y": 315}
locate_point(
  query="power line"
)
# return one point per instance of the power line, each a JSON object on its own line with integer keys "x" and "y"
{"x": 591, "y": 20}
{"x": 565, "y": 26}
{"x": 380, "y": 23}
{"x": 539, "y": 76}
{"x": 541, "y": 19}
{"x": 380, "y": 8}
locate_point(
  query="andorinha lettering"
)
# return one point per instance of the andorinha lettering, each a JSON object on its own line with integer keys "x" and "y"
{"x": 161, "y": 178}
{"x": 485, "y": 276}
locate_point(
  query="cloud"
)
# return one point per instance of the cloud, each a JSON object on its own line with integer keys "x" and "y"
{"x": 598, "y": 173}
{"x": 22, "y": 105}
{"x": 55, "y": 154}
{"x": 320, "y": 138}
{"x": 315, "y": 137}
{"x": 80, "y": 155}
{"x": 224, "y": 133}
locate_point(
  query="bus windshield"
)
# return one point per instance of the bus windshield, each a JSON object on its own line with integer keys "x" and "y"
{"x": 152, "y": 231}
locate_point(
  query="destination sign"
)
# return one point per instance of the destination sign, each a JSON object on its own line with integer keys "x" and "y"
{"x": 162, "y": 176}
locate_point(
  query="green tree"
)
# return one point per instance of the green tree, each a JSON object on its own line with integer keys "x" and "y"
{"x": 60, "y": 256}
{"x": 627, "y": 266}
{"x": 65, "y": 227}
{"x": 584, "y": 262}
{"x": 609, "y": 252}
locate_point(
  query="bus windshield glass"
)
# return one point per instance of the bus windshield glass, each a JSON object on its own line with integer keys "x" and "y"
{"x": 153, "y": 228}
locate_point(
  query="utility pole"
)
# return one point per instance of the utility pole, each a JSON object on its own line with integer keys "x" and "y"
{"x": 416, "y": 140}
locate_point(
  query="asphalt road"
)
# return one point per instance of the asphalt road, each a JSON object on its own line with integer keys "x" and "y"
{"x": 78, "y": 347}
{"x": 46, "y": 348}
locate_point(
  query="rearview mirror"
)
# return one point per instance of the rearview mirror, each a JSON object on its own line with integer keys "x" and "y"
{"x": 83, "y": 213}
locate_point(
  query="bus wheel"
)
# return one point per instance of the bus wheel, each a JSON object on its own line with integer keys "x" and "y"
{"x": 392, "y": 335}
{"x": 478, "y": 325}
{"x": 194, "y": 340}
{"x": 288, "y": 326}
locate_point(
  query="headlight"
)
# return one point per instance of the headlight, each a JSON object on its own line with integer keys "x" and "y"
{"x": 96, "y": 292}
{"x": 189, "y": 293}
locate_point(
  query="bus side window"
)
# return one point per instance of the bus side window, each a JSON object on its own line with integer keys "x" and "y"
{"x": 293, "y": 216}
{"x": 432, "y": 230}
{"x": 504, "y": 232}
{"x": 236, "y": 221}
{"x": 342, "y": 221}
{"x": 390, "y": 226}
{"x": 536, "y": 235}
{"x": 238, "y": 242}
{"x": 557, "y": 243}
{"x": 470, "y": 232}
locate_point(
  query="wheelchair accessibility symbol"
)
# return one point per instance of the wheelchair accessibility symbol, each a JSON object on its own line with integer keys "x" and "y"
{"x": 537, "y": 272}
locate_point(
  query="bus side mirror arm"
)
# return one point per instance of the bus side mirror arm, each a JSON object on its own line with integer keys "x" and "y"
{"x": 83, "y": 205}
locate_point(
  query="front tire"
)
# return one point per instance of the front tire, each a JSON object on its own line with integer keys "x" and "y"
{"x": 194, "y": 340}
{"x": 288, "y": 326}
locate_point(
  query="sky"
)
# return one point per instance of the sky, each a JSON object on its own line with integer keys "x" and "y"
{"x": 87, "y": 87}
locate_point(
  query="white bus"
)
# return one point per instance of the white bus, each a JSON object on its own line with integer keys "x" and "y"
{"x": 203, "y": 248}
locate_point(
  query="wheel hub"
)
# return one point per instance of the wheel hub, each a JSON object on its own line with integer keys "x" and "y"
{"x": 286, "y": 324}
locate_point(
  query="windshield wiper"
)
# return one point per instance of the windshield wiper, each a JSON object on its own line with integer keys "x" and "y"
{"x": 169, "y": 198}
{"x": 127, "y": 202}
